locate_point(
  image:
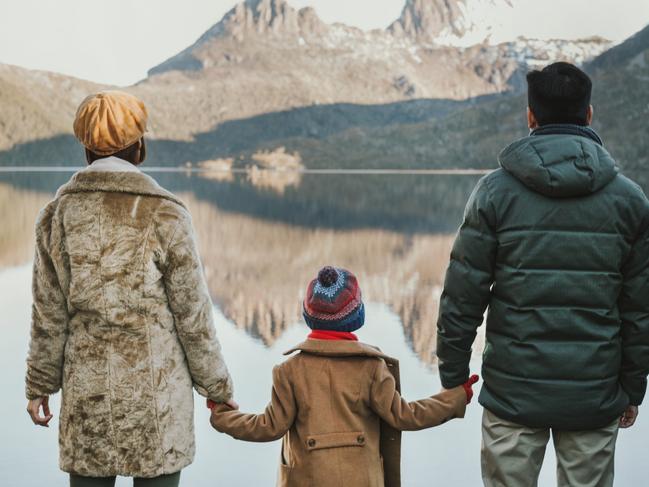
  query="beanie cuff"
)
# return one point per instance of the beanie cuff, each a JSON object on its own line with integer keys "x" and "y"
{"x": 349, "y": 323}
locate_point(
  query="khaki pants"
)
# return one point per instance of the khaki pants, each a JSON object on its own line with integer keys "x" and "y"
{"x": 512, "y": 454}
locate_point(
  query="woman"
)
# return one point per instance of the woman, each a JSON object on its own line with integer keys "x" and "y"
{"x": 122, "y": 319}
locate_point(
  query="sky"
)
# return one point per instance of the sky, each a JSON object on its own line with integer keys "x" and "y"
{"x": 117, "y": 41}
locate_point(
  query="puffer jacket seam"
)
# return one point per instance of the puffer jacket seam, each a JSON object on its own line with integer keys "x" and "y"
{"x": 538, "y": 154}
{"x": 544, "y": 306}
{"x": 643, "y": 229}
{"x": 585, "y": 159}
{"x": 493, "y": 206}
{"x": 548, "y": 379}
{"x": 577, "y": 232}
{"x": 533, "y": 270}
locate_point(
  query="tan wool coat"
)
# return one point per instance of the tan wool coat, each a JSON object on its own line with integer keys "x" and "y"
{"x": 338, "y": 408}
{"x": 122, "y": 324}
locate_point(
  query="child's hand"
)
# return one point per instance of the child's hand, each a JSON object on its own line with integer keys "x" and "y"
{"x": 231, "y": 404}
{"x": 467, "y": 387}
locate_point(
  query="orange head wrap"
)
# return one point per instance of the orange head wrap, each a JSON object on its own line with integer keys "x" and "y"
{"x": 110, "y": 121}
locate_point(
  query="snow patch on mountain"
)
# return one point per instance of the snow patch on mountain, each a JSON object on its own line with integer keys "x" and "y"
{"x": 458, "y": 23}
{"x": 478, "y": 21}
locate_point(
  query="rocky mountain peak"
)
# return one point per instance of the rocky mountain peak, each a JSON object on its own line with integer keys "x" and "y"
{"x": 250, "y": 20}
{"x": 253, "y": 18}
{"x": 452, "y": 22}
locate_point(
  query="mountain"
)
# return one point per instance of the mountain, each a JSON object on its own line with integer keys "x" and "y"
{"x": 267, "y": 72}
{"x": 256, "y": 19}
{"x": 266, "y": 56}
{"x": 472, "y": 137}
{"x": 630, "y": 52}
{"x": 37, "y": 104}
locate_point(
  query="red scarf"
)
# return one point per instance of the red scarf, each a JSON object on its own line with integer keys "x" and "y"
{"x": 332, "y": 335}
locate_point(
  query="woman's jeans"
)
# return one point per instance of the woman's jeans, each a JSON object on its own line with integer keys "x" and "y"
{"x": 171, "y": 480}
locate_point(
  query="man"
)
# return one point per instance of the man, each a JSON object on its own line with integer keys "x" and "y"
{"x": 122, "y": 319}
{"x": 556, "y": 244}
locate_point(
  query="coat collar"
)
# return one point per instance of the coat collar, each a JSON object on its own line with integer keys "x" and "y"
{"x": 130, "y": 182}
{"x": 339, "y": 348}
{"x": 112, "y": 164}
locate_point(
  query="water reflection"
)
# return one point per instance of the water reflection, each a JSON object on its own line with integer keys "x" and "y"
{"x": 257, "y": 270}
{"x": 262, "y": 241}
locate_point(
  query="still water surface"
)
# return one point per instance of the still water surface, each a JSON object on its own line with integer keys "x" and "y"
{"x": 261, "y": 239}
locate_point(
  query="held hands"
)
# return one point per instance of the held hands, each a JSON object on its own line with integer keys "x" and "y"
{"x": 231, "y": 404}
{"x": 629, "y": 416}
{"x": 468, "y": 387}
{"x": 33, "y": 409}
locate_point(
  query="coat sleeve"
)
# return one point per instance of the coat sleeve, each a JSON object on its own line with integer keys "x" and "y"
{"x": 271, "y": 425}
{"x": 49, "y": 326}
{"x": 467, "y": 287}
{"x": 190, "y": 303}
{"x": 400, "y": 414}
{"x": 633, "y": 304}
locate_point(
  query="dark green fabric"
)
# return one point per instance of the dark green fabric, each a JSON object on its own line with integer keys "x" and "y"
{"x": 170, "y": 480}
{"x": 79, "y": 481}
{"x": 556, "y": 245}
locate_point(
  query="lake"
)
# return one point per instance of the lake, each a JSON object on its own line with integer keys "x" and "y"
{"x": 273, "y": 231}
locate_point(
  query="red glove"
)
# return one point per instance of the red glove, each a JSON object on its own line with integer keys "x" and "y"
{"x": 467, "y": 387}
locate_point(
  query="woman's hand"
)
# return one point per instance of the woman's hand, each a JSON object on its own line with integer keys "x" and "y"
{"x": 33, "y": 408}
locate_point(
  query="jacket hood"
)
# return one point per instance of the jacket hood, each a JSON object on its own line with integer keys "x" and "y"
{"x": 560, "y": 165}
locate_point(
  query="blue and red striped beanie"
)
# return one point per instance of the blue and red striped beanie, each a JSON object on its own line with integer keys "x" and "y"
{"x": 333, "y": 301}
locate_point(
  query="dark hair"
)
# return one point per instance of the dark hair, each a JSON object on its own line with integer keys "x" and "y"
{"x": 129, "y": 154}
{"x": 560, "y": 93}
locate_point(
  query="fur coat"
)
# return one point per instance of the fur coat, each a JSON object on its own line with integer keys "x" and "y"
{"x": 122, "y": 324}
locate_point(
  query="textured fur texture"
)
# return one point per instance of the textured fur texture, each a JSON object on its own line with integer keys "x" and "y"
{"x": 338, "y": 408}
{"x": 122, "y": 323}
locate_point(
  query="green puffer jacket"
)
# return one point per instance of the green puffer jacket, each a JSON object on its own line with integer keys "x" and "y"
{"x": 556, "y": 245}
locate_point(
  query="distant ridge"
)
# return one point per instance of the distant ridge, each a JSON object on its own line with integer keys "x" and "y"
{"x": 634, "y": 47}
{"x": 268, "y": 75}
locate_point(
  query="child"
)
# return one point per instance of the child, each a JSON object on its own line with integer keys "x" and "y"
{"x": 337, "y": 403}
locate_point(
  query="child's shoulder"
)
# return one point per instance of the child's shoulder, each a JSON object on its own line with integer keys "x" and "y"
{"x": 334, "y": 350}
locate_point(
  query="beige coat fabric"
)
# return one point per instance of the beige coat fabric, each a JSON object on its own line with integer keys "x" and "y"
{"x": 122, "y": 324}
{"x": 338, "y": 408}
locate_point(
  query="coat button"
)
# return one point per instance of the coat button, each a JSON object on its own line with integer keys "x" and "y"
{"x": 360, "y": 439}
{"x": 311, "y": 443}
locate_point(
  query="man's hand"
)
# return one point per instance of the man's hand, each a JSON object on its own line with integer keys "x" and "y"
{"x": 231, "y": 404}
{"x": 629, "y": 416}
{"x": 33, "y": 408}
